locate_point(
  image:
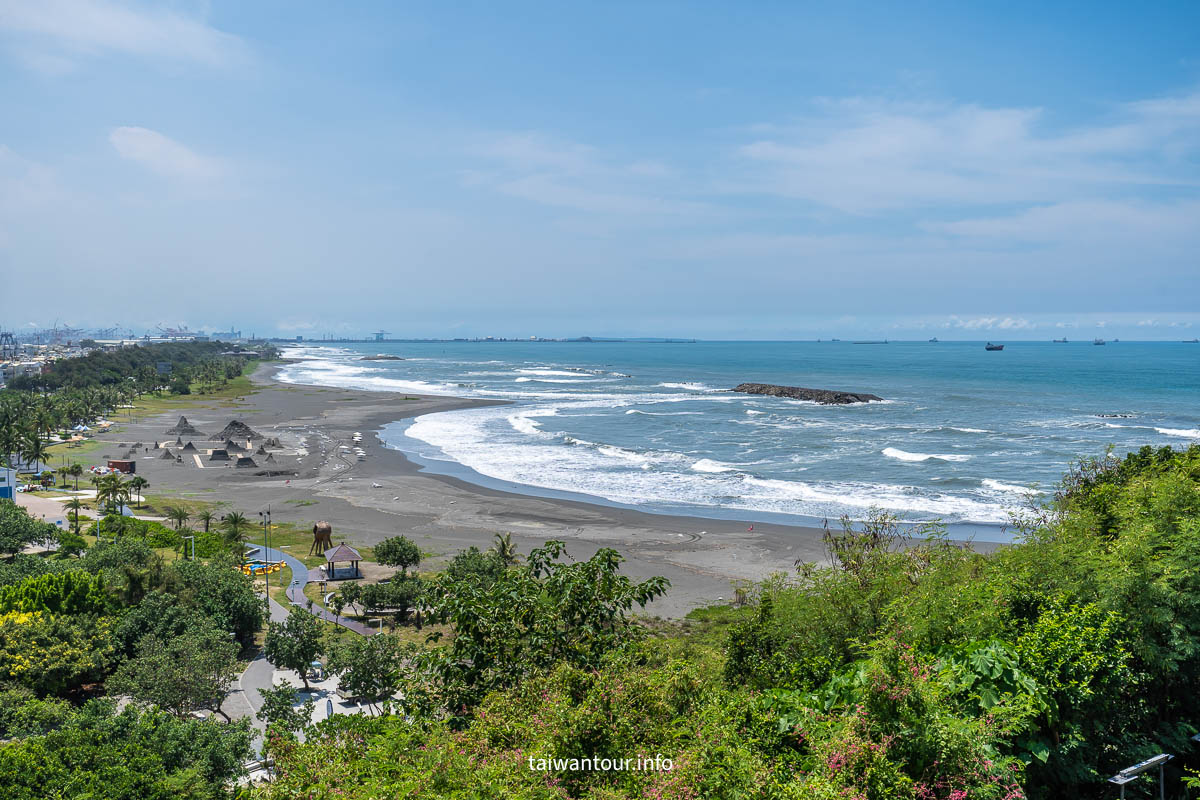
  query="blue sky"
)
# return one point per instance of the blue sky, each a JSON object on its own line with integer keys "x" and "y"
{"x": 741, "y": 170}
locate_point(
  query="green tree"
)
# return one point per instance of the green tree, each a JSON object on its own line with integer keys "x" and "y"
{"x": 398, "y": 551}
{"x": 137, "y": 483}
{"x": 530, "y": 618}
{"x": 179, "y": 516}
{"x": 368, "y": 667}
{"x": 33, "y": 449}
{"x": 53, "y": 654}
{"x": 221, "y": 594}
{"x": 279, "y": 709}
{"x": 294, "y": 643}
{"x": 74, "y": 506}
{"x": 190, "y": 672}
{"x": 205, "y": 518}
{"x": 76, "y": 470}
{"x": 74, "y": 592}
{"x": 23, "y": 713}
{"x": 145, "y": 754}
{"x": 18, "y": 529}
{"x": 398, "y": 595}
{"x": 236, "y": 529}
{"x": 505, "y": 550}
{"x": 70, "y": 543}
{"x": 475, "y": 565}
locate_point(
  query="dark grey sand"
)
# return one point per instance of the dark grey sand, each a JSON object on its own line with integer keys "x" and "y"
{"x": 701, "y": 557}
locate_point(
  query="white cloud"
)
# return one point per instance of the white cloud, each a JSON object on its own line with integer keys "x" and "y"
{"x": 1098, "y": 220}
{"x": 990, "y": 323}
{"x": 63, "y": 29}
{"x": 162, "y": 154}
{"x": 865, "y": 156}
{"x": 564, "y": 174}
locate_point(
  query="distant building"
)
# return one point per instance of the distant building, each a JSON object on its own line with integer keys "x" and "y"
{"x": 8, "y": 483}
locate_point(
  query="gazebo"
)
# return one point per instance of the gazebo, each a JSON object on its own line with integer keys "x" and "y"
{"x": 343, "y": 552}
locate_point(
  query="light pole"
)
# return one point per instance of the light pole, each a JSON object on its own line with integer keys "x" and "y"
{"x": 265, "y": 516}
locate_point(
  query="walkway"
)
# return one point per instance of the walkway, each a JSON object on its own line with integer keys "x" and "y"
{"x": 301, "y": 576}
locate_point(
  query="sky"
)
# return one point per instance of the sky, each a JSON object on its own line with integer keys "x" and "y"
{"x": 1016, "y": 170}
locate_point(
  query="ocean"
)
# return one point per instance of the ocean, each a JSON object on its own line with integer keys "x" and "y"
{"x": 963, "y": 435}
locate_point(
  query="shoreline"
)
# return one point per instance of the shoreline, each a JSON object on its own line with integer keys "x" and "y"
{"x": 389, "y": 494}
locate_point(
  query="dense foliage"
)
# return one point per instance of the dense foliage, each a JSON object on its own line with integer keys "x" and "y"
{"x": 100, "y": 754}
{"x": 120, "y": 620}
{"x": 112, "y": 367}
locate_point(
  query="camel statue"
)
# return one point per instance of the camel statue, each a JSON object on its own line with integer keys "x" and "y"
{"x": 322, "y": 538}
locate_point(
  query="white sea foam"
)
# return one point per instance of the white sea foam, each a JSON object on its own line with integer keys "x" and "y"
{"x": 969, "y": 430}
{"x": 709, "y": 465}
{"x": 523, "y": 424}
{"x": 904, "y": 455}
{"x": 548, "y": 372}
{"x": 1000, "y": 486}
{"x": 638, "y": 477}
{"x": 1187, "y": 433}
{"x": 666, "y": 413}
{"x": 689, "y": 387}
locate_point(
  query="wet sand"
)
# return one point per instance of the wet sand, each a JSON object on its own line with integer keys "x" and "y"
{"x": 386, "y": 494}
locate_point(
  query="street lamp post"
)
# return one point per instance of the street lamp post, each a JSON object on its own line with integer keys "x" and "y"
{"x": 265, "y": 516}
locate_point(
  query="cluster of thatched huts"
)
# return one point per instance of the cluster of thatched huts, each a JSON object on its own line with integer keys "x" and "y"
{"x": 231, "y": 448}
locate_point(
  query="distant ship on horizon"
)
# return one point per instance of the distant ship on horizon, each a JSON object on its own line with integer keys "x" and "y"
{"x": 990, "y": 346}
{"x": 1061, "y": 341}
{"x": 1099, "y": 341}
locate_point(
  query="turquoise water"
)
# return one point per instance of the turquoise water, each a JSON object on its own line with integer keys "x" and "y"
{"x": 964, "y": 435}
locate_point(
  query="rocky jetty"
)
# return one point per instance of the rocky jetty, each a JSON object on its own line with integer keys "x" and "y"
{"x": 823, "y": 396}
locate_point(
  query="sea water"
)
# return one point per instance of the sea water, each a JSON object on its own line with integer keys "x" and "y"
{"x": 963, "y": 435}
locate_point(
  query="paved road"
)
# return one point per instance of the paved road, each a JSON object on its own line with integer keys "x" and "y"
{"x": 246, "y": 699}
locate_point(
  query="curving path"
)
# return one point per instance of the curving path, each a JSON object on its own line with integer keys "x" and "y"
{"x": 295, "y": 590}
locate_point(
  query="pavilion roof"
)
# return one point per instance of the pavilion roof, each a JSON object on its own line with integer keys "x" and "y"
{"x": 343, "y": 552}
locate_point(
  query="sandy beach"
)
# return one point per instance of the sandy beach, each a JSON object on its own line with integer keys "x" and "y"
{"x": 386, "y": 494}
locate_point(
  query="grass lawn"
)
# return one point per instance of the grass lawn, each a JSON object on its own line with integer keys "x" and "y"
{"x": 157, "y": 505}
{"x": 297, "y": 539}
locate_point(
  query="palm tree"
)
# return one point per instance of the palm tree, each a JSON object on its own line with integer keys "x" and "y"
{"x": 33, "y": 448}
{"x": 101, "y": 491}
{"x": 64, "y": 473}
{"x": 178, "y": 515}
{"x": 75, "y": 471}
{"x": 115, "y": 491}
{"x": 137, "y": 483}
{"x": 235, "y": 525}
{"x": 108, "y": 491}
{"x": 206, "y": 517}
{"x": 75, "y": 505}
{"x": 505, "y": 549}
